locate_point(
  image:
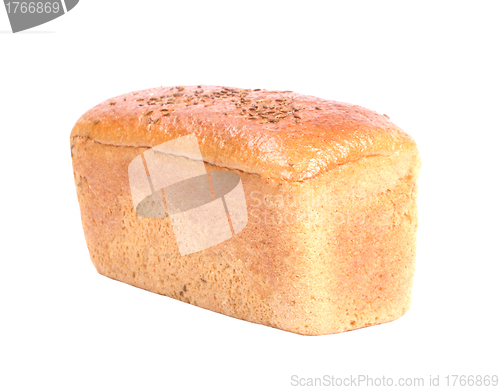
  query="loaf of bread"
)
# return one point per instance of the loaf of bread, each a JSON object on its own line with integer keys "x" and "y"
{"x": 269, "y": 206}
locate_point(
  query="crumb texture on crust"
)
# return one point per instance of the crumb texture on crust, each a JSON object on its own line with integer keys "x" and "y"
{"x": 276, "y": 134}
{"x": 330, "y": 190}
{"x": 327, "y": 255}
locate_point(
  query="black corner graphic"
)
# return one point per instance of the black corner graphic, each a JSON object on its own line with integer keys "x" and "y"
{"x": 70, "y": 4}
{"x": 24, "y": 15}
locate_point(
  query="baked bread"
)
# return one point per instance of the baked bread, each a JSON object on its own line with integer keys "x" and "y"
{"x": 325, "y": 238}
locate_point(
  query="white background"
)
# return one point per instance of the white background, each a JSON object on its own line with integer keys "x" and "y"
{"x": 433, "y": 67}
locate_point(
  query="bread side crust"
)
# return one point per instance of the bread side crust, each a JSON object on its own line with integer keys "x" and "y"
{"x": 307, "y": 273}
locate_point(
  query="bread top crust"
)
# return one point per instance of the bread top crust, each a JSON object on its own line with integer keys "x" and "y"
{"x": 279, "y": 135}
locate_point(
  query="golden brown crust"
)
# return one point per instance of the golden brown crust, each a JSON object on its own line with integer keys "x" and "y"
{"x": 276, "y": 134}
{"x": 327, "y": 255}
{"x": 330, "y": 240}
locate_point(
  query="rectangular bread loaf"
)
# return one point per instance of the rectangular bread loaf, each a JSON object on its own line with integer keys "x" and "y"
{"x": 269, "y": 206}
